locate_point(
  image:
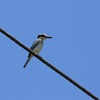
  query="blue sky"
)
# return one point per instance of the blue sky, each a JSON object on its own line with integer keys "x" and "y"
{"x": 74, "y": 49}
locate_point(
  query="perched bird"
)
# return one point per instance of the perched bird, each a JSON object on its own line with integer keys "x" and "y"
{"x": 37, "y": 46}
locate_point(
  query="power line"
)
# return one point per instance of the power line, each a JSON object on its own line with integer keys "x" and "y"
{"x": 49, "y": 65}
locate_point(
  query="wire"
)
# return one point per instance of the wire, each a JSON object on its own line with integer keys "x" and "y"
{"x": 49, "y": 65}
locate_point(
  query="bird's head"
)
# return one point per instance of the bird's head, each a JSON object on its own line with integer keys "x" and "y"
{"x": 44, "y": 36}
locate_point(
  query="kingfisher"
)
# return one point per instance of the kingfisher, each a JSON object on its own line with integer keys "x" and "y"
{"x": 37, "y": 46}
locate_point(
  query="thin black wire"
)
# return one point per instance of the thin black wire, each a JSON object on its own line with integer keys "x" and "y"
{"x": 49, "y": 65}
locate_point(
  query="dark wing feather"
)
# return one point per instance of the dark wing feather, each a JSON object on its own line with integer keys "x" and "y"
{"x": 34, "y": 45}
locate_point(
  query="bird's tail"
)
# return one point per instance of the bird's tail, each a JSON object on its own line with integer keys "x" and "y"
{"x": 29, "y": 58}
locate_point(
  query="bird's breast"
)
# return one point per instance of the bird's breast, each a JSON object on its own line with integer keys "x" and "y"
{"x": 38, "y": 47}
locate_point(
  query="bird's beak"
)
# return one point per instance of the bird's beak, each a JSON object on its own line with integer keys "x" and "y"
{"x": 49, "y": 37}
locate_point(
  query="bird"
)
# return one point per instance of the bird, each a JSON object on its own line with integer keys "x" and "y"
{"x": 37, "y": 46}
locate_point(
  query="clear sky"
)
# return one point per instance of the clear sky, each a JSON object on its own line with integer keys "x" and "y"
{"x": 74, "y": 49}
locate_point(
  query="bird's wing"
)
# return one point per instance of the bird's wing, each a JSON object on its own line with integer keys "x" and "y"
{"x": 34, "y": 45}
